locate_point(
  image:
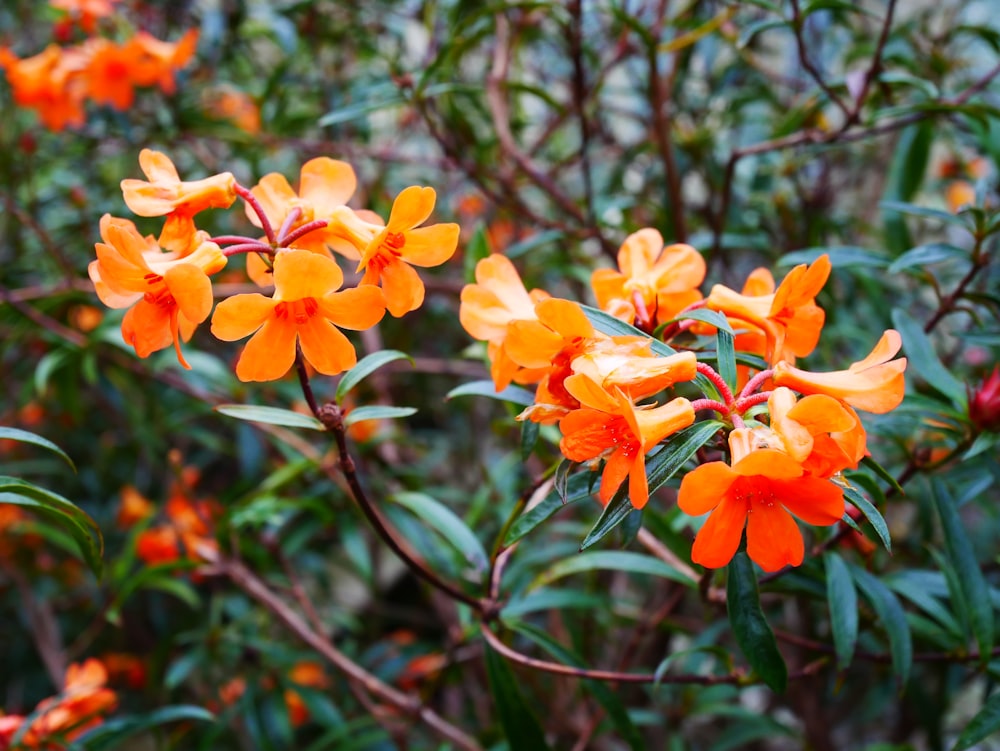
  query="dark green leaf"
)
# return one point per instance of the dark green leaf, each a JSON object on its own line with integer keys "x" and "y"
{"x": 613, "y": 560}
{"x": 270, "y": 416}
{"x": 749, "y": 626}
{"x": 983, "y": 725}
{"x": 577, "y": 489}
{"x": 890, "y": 612}
{"x": 970, "y": 576}
{"x": 519, "y": 723}
{"x": 377, "y": 412}
{"x": 529, "y": 438}
{"x": 923, "y": 211}
{"x": 841, "y": 257}
{"x": 711, "y": 317}
{"x": 23, "y": 436}
{"x": 110, "y": 734}
{"x": 447, "y": 523}
{"x": 365, "y": 367}
{"x": 924, "y": 360}
{"x": 842, "y": 599}
{"x": 726, "y": 354}
{"x": 882, "y": 472}
{"x": 923, "y": 255}
{"x": 871, "y": 513}
{"x": 608, "y": 324}
{"x": 513, "y": 394}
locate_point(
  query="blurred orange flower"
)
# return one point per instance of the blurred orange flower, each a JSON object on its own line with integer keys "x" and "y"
{"x": 134, "y": 508}
{"x": 86, "y": 12}
{"x": 306, "y": 308}
{"x": 310, "y": 675}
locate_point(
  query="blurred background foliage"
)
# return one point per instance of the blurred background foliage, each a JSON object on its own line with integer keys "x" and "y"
{"x": 763, "y": 133}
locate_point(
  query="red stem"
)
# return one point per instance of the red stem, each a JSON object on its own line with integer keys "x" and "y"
{"x": 305, "y": 229}
{"x": 711, "y": 374}
{"x": 755, "y": 383}
{"x": 265, "y": 223}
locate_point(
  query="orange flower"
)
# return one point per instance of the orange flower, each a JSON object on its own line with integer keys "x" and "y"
{"x": 491, "y": 305}
{"x": 818, "y": 431}
{"x": 959, "y": 194}
{"x": 761, "y": 490}
{"x": 228, "y": 103}
{"x": 77, "y": 709}
{"x": 165, "y": 194}
{"x": 134, "y": 508}
{"x": 168, "y": 294}
{"x": 310, "y": 675}
{"x": 155, "y": 61}
{"x": 388, "y": 252}
{"x": 611, "y": 427}
{"x": 126, "y": 669}
{"x": 325, "y": 185}
{"x": 86, "y": 12}
{"x": 789, "y": 318}
{"x": 51, "y": 83}
{"x": 305, "y": 308}
{"x": 654, "y": 283}
{"x": 109, "y": 73}
{"x": 875, "y": 384}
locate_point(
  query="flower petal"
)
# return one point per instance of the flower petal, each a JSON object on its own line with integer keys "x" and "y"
{"x": 411, "y": 208}
{"x": 768, "y": 463}
{"x": 773, "y": 538}
{"x": 270, "y": 352}
{"x": 276, "y": 197}
{"x": 616, "y": 469}
{"x": 703, "y": 488}
{"x": 717, "y": 541}
{"x": 241, "y": 315}
{"x": 430, "y": 246}
{"x": 191, "y": 290}
{"x": 358, "y": 308}
{"x": 326, "y": 184}
{"x": 301, "y": 273}
{"x": 403, "y": 288}
{"x": 325, "y": 347}
{"x": 566, "y": 317}
{"x": 814, "y": 501}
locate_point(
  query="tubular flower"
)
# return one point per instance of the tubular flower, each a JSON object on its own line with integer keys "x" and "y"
{"x": 818, "y": 431}
{"x": 168, "y": 294}
{"x": 388, "y": 252}
{"x": 165, "y": 194}
{"x": 611, "y": 427}
{"x": 875, "y": 384}
{"x": 788, "y": 318}
{"x": 761, "y": 490}
{"x": 109, "y": 73}
{"x": 324, "y": 185}
{"x": 156, "y": 61}
{"x": 306, "y": 308}
{"x": 51, "y": 83}
{"x": 653, "y": 283}
{"x": 491, "y": 305}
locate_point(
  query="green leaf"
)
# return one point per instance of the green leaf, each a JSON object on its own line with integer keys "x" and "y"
{"x": 365, "y": 367}
{"x": 519, "y": 723}
{"x": 604, "y": 696}
{"x": 23, "y": 436}
{"x": 922, "y": 211}
{"x": 882, "y": 472}
{"x": 608, "y": 324}
{"x": 841, "y": 257}
{"x": 906, "y": 173}
{"x": 749, "y": 626}
{"x": 270, "y": 416}
{"x": 971, "y": 582}
{"x": 513, "y": 394}
{"x": 577, "y": 489}
{"x": 64, "y": 512}
{"x": 924, "y": 360}
{"x": 659, "y": 469}
{"x": 871, "y": 513}
{"x": 711, "y": 317}
{"x": 534, "y": 242}
{"x": 447, "y": 523}
{"x": 926, "y": 254}
{"x": 726, "y": 354}
{"x": 753, "y": 29}
{"x": 842, "y": 599}
{"x": 890, "y": 612}
{"x": 614, "y": 560}
{"x": 529, "y": 438}
{"x": 377, "y": 412}
{"x": 984, "y": 724}
{"x": 110, "y": 734}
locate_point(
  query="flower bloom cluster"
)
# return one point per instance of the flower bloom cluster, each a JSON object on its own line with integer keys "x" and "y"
{"x": 790, "y": 432}
{"x": 164, "y": 281}
{"x": 59, "y": 80}
{"x": 58, "y": 720}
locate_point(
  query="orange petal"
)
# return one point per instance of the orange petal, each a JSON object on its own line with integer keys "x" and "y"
{"x": 616, "y": 469}
{"x": 403, "y": 288}
{"x": 813, "y": 500}
{"x": 531, "y": 344}
{"x": 638, "y": 485}
{"x": 270, "y": 352}
{"x": 300, "y": 273}
{"x": 241, "y": 315}
{"x": 566, "y": 317}
{"x": 638, "y": 252}
{"x": 586, "y": 434}
{"x": 703, "y": 488}
{"x": 147, "y": 327}
{"x": 768, "y": 463}
{"x": 590, "y": 394}
{"x": 191, "y": 290}
{"x": 276, "y": 197}
{"x": 411, "y": 208}
{"x": 156, "y": 166}
{"x": 608, "y": 285}
{"x": 325, "y": 347}
{"x": 430, "y": 246}
{"x": 885, "y": 350}
{"x": 326, "y": 183}
{"x": 773, "y": 538}
{"x": 358, "y": 308}
{"x": 717, "y": 541}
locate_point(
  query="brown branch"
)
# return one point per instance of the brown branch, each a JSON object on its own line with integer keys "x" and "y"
{"x": 798, "y": 26}
{"x": 253, "y": 586}
{"x": 873, "y": 69}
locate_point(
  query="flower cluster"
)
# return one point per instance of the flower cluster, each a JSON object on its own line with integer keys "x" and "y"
{"x": 58, "y": 81}
{"x": 58, "y": 720}
{"x": 791, "y": 432}
{"x": 164, "y": 281}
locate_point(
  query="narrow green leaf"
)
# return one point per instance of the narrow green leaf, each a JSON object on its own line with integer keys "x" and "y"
{"x": 270, "y": 416}
{"x": 614, "y": 560}
{"x": 519, "y": 723}
{"x": 971, "y": 582}
{"x": 577, "y": 489}
{"x": 659, "y": 469}
{"x": 608, "y": 324}
{"x": 842, "y": 599}
{"x": 866, "y": 507}
{"x": 749, "y": 626}
{"x": 23, "y": 436}
{"x": 112, "y": 733}
{"x": 882, "y": 472}
{"x": 923, "y": 255}
{"x": 924, "y": 360}
{"x": 604, "y": 696}
{"x": 513, "y": 394}
{"x": 711, "y": 317}
{"x": 447, "y": 523}
{"x": 365, "y": 367}
{"x": 64, "y": 512}
{"x": 534, "y": 242}
{"x": 726, "y": 354}
{"x": 377, "y": 412}
{"x": 982, "y": 726}
{"x": 923, "y": 211}
{"x": 529, "y": 438}
{"x": 841, "y": 257}
{"x": 890, "y": 612}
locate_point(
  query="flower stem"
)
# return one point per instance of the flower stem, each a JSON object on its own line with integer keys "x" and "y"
{"x": 252, "y": 247}
{"x": 293, "y": 216}
{"x": 718, "y": 381}
{"x": 265, "y": 223}
{"x": 756, "y": 382}
{"x": 700, "y": 404}
{"x": 304, "y": 230}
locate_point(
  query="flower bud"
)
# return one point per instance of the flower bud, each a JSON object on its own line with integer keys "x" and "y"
{"x": 984, "y": 403}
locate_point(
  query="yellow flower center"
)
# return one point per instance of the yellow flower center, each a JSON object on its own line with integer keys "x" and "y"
{"x": 300, "y": 311}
